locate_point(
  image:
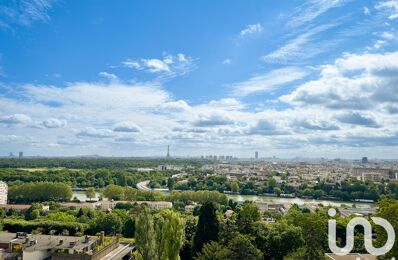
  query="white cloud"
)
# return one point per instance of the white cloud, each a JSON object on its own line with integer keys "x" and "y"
{"x": 131, "y": 64}
{"x": 301, "y": 47}
{"x": 356, "y": 81}
{"x": 179, "y": 105}
{"x": 251, "y": 29}
{"x": 366, "y": 10}
{"x": 96, "y": 133}
{"x": 127, "y": 126}
{"x": 213, "y": 119}
{"x": 108, "y": 96}
{"x": 226, "y": 104}
{"x": 311, "y": 10}
{"x": 391, "y": 6}
{"x": 268, "y": 81}
{"x": 24, "y": 12}
{"x": 356, "y": 118}
{"x": 15, "y": 119}
{"x": 54, "y": 123}
{"x": 108, "y": 75}
{"x": 155, "y": 65}
{"x": 167, "y": 67}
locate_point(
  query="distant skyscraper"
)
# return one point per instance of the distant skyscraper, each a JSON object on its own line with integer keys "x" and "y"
{"x": 256, "y": 155}
{"x": 364, "y": 159}
{"x": 20, "y": 154}
{"x": 168, "y": 151}
{"x": 11, "y": 154}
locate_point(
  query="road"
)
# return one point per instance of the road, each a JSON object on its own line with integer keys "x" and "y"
{"x": 119, "y": 252}
{"x": 143, "y": 185}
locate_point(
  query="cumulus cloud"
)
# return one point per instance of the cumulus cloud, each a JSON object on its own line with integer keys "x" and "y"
{"x": 315, "y": 125}
{"x": 251, "y": 29}
{"x": 358, "y": 82}
{"x": 127, "y": 126}
{"x": 225, "y": 104}
{"x": 96, "y": 133}
{"x": 16, "y": 119}
{"x": 391, "y": 6}
{"x": 179, "y": 105}
{"x": 265, "y": 127}
{"x": 54, "y": 123}
{"x": 356, "y": 118}
{"x": 213, "y": 119}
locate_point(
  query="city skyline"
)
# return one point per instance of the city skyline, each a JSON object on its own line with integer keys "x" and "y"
{"x": 287, "y": 79}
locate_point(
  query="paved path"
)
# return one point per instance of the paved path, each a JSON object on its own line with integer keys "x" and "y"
{"x": 143, "y": 185}
{"x": 119, "y": 252}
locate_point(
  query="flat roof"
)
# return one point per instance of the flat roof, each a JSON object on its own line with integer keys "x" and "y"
{"x": 44, "y": 242}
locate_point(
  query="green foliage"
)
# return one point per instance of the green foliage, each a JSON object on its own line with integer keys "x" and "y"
{"x": 242, "y": 248}
{"x": 281, "y": 240}
{"x": 170, "y": 183}
{"x": 234, "y": 187}
{"x": 169, "y": 230}
{"x": 208, "y": 227}
{"x": 110, "y": 223}
{"x": 129, "y": 228}
{"x": 18, "y": 225}
{"x": 199, "y": 196}
{"x": 40, "y": 191}
{"x": 314, "y": 231}
{"x": 145, "y": 235}
{"x": 90, "y": 163}
{"x": 90, "y": 193}
{"x": 160, "y": 236}
{"x": 116, "y": 192}
{"x": 387, "y": 209}
{"x": 214, "y": 251}
{"x": 247, "y": 215}
{"x": 61, "y": 217}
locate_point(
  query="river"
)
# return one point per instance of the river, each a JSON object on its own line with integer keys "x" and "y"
{"x": 300, "y": 201}
{"x": 80, "y": 195}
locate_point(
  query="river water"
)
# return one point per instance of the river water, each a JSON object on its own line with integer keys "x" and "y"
{"x": 300, "y": 201}
{"x": 82, "y": 197}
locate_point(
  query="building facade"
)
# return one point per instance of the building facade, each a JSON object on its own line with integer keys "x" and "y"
{"x": 3, "y": 193}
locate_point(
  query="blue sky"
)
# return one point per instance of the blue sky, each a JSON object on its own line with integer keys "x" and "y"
{"x": 285, "y": 78}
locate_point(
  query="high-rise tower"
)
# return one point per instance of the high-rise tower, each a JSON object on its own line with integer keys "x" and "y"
{"x": 168, "y": 151}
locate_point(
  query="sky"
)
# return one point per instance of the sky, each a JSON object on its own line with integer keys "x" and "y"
{"x": 315, "y": 78}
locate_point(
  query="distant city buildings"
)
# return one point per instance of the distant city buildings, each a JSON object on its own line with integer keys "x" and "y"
{"x": 256, "y": 155}
{"x": 364, "y": 159}
{"x": 3, "y": 193}
{"x": 219, "y": 157}
{"x": 20, "y": 155}
{"x": 374, "y": 174}
{"x": 168, "y": 151}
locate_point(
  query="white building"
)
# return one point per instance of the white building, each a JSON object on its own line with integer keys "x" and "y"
{"x": 3, "y": 193}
